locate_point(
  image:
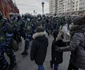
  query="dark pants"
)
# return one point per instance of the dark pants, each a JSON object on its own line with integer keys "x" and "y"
{"x": 9, "y": 48}
{"x": 26, "y": 45}
{"x": 18, "y": 39}
{"x": 27, "y": 41}
{"x": 72, "y": 67}
{"x": 40, "y": 67}
{"x": 3, "y": 62}
{"x": 55, "y": 66}
{"x": 11, "y": 56}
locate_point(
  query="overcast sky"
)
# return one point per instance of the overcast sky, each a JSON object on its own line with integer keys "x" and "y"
{"x": 27, "y": 6}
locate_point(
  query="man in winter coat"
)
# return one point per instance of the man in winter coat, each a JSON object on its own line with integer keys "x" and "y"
{"x": 39, "y": 47}
{"x": 77, "y": 44}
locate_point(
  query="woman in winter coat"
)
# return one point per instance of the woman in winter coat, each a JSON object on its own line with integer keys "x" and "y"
{"x": 39, "y": 47}
{"x": 56, "y": 57}
{"x": 61, "y": 38}
{"x": 77, "y": 44}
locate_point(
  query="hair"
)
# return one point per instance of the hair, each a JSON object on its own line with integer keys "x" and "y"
{"x": 39, "y": 29}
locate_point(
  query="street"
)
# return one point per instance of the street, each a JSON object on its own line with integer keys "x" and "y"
{"x": 24, "y": 20}
{"x": 24, "y": 62}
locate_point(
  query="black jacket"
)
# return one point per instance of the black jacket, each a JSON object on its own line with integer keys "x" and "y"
{"x": 57, "y": 57}
{"x": 39, "y": 49}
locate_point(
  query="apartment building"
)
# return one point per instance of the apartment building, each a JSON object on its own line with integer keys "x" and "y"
{"x": 53, "y": 6}
{"x": 81, "y": 5}
{"x": 68, "y": 6}
{"x": 60, "y": 6}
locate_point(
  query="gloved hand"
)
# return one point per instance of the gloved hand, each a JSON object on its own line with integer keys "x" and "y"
{"x": 58, "y": 49}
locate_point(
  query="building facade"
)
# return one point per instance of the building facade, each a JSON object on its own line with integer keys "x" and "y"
{"x": 82, "y": 5}
{"x": 53, "y": 6}
{"x": 60, "y": 6}
{"x": 69, "y": 7}
{"x": 7, "y": 6}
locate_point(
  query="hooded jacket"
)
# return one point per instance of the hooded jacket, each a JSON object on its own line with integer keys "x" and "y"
{"x": 39, "y": 48}
{"x": 77, "y": 46}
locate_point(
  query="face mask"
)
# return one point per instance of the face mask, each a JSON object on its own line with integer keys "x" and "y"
{"x": 71, "y": 25}
{"x": 28, "y": 19}
{"x": 12, "y": 18}
{"x": 16, "y": 18}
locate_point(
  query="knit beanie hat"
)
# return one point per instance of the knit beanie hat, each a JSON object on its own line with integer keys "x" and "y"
{"x": 79, "y": 20}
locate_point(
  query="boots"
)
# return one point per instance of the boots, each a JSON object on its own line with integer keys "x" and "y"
{"x": 25, "y": 48}
{"x": 12, "y": 65}
{"x": 24, "y": 53}
{"x": 51, "y": 64}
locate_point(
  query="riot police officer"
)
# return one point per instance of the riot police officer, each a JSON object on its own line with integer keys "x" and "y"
{"x": 8, "y": 30}
{"x": 19, "y": 28}
{"x": 28, "y": 33}
{"x": 3, "y": 62}
{"x": 13, "y": 24}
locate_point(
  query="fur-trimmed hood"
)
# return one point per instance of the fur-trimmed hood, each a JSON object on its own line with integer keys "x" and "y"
{"x": 37, "y": 34}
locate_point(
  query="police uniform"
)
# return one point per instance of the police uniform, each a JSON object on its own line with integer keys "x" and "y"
{"x": 7, "y": 28}
{"x": 3, "y": 62}
{"x": 28, "y": 35}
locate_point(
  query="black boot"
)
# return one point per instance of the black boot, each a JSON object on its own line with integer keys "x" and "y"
{"x": 24, "y": 53}
{"x": 12, "y": 65}
{"x": 5, "y": 67}
{"x": 51, "y": 64}
{"x": 25, "y": 48}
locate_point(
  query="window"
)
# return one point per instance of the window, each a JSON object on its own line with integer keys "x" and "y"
{"x": 76, "y": 8}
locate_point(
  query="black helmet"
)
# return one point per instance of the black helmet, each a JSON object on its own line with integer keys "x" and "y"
{"x": 17, "y": 16}
{"x": 27, "y": 15}
{"x": 11, "y": 14}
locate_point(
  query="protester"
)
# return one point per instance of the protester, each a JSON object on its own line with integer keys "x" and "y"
{"x": 56, "y": 57}
{"x": 39, "y": 47}
{"x": 77, "y": 44}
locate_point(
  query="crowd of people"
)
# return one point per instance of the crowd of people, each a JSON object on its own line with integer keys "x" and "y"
{"x": 68, "y": 33}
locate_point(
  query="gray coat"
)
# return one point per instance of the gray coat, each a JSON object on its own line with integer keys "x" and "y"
{"x": 76, "y": 47}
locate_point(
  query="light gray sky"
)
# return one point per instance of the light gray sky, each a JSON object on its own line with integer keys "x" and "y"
{"x": 27, "y": 6}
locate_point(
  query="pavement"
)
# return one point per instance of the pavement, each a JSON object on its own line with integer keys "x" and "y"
{"x": 24, "y": 62}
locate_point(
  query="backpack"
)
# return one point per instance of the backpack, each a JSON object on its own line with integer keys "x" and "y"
{"x": 28, "y": 28}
